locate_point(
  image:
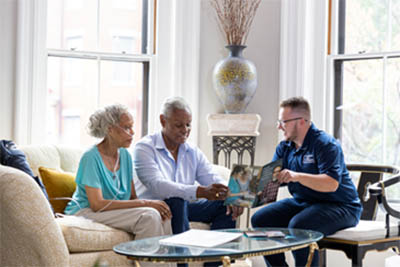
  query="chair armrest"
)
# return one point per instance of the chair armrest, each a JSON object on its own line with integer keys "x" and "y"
{"x": 378, "y": 190}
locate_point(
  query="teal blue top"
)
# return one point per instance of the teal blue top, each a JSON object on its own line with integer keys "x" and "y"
{"x": 92, "y": 172}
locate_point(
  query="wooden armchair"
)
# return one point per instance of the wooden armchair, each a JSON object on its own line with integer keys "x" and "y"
{"x": 368, "y": 234}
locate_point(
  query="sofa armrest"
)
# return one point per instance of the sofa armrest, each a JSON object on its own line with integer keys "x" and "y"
{"x": 29, "y": 234}
{"x": 222, "y": 171}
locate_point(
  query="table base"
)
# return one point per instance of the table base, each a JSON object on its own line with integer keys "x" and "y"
{"x": 226, "y": 260}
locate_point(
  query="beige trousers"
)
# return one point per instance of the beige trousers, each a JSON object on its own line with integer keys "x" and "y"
{"x": 142, "y": 222}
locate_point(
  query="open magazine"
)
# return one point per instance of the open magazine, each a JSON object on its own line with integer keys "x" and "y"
{"x": 253, "y": 186}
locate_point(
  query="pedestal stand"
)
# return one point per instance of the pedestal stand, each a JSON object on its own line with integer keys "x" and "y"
{"x": 233, "y": 132}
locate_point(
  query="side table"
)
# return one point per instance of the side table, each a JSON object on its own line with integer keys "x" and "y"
{"x": 233, "y": 132}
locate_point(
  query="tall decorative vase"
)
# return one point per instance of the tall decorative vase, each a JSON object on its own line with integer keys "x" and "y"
{"x": 235, "y": 80}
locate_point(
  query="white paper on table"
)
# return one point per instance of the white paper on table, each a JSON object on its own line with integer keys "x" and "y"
{"x": 200, "y": 238}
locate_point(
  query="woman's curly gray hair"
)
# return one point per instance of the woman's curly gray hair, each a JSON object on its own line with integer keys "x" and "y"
{"x": 102, "y": 119}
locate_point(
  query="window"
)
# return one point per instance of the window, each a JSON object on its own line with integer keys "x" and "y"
{"x": 367, "y": 81}
{"x": 122, "y": 71}
{"x": 91, "y": 64}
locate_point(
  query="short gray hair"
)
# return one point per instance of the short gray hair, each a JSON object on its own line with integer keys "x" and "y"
{"x": 172, "y": 103}
{"x": 103, "y": 118}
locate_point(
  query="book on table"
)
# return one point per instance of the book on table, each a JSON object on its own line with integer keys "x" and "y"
{"x": 253, "y": 186}
{"x": 259, "y": 233}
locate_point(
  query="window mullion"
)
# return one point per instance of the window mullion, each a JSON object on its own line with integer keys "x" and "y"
{"x": 384, "y": 112}
{"x": 98, "y": 81}
{"x": 95, "y": 55}
{"x": 341, "y": 27}
{"x": 389, "y": 27}
{"x": 98, "y": 27}
{"x": 366, "y": 55}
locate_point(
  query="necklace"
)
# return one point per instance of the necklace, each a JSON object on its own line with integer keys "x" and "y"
{"x": 114, "y": 172}
{"x": 108, "y": 161}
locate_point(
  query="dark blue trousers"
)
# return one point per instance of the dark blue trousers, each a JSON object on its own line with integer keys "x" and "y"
{"x": 326, "y": 218}
{"x": 212, "y": 212}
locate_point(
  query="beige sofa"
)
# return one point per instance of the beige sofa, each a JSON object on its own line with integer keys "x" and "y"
{"x": 29, "y": 233}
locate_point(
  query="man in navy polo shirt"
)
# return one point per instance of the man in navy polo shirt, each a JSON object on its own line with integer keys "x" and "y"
{"x": 324, "y": 197}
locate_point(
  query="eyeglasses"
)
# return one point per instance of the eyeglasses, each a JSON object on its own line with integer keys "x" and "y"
{"x": 283, "y": 122}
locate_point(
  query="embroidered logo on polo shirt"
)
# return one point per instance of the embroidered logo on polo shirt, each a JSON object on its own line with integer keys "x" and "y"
{"x": 308, "y": 158}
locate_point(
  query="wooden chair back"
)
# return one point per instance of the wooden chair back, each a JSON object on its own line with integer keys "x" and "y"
{"x": 370, "y": 174}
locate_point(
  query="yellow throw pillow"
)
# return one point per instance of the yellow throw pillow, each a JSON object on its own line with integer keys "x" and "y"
{"x": 58, "y": 184}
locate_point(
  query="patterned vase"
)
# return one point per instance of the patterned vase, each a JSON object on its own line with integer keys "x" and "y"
{"x": 235, "y": 80}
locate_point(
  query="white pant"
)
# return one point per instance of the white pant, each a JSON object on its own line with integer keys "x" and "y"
{"x": 142, "y": 222}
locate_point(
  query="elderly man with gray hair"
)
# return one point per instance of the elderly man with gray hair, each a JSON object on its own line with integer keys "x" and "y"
{"x": 168, "y": 168}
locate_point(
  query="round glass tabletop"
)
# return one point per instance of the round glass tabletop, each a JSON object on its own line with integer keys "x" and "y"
{"x": 151, "y": 249}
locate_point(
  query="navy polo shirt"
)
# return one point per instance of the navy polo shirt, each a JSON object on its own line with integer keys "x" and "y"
{"x": 320, "y": 153}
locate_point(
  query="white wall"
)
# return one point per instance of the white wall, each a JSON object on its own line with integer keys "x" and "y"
{"x": 263, "y": 48}
{"x": 8, "y": 26}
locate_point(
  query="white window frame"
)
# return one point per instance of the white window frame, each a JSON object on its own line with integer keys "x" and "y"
{"x": 306, "y": 68}
{"x": 374, "y": 55}
{"x": 174, "y": 70}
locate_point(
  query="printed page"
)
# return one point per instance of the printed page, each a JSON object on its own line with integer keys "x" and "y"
{"x": 200, "y": 238}
{"x": 242, "y": 186}
{"x": 268, "y": 186}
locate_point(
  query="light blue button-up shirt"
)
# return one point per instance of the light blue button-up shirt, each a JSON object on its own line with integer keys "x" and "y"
{"x": 160, "y": 177}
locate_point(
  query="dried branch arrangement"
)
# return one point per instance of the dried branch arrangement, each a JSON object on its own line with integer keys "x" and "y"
{"x": 235, "y": 18}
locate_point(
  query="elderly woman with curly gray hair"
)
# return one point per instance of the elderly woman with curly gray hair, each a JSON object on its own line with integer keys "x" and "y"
{"x": 105, "y": 190}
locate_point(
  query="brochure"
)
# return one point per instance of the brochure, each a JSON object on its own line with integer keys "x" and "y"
{"x": 256, "y": 233}
{"x": 253, "y": 186}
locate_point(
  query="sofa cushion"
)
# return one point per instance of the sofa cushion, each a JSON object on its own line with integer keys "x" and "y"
{"x": 42, "y": 155}
{"x": 84, "y": 235}
{"x": 13, "y": 157}
{"x": 366, "y": 230}
{"x": 69, "y": 158}
{"x": 58, "y": 185}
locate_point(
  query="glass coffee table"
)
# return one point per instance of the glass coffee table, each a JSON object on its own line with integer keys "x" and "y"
{"x": 151, "y": 250}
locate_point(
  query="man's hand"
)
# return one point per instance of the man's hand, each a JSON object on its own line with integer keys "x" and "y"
{"x": 213, "y": 192}
{"x": 236, "y": 211}
{"x": 286, "y": 176}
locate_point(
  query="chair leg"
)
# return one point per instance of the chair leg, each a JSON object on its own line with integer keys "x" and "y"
{"x": 356, "y": 260}
{"x": 322, "y": 257}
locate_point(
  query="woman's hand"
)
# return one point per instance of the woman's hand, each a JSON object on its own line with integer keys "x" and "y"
{"x": 161, "y": 207}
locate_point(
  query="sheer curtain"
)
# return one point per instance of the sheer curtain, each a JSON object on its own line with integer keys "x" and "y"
{"x": 303, "y": 70}
{"x": 30, "y": 70}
